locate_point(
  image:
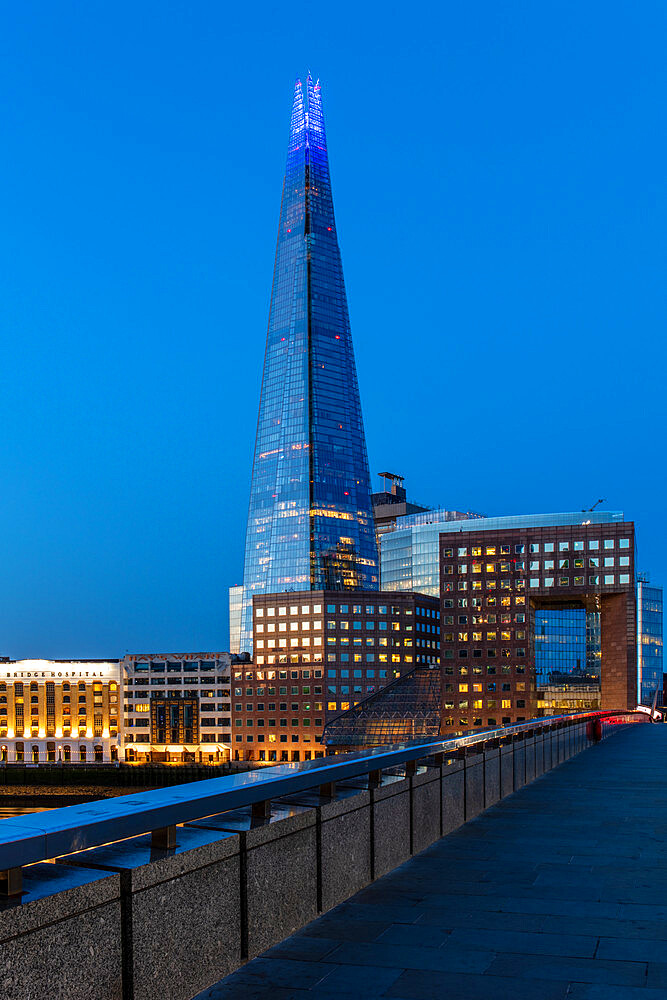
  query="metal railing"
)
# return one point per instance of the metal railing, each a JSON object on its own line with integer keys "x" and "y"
{"x": 44, "y": 836}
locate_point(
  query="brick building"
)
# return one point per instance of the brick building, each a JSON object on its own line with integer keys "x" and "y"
{"x": 318, "y": 653}
{"x": 492, "y": 585}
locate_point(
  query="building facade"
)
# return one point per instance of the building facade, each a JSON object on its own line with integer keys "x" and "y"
{"x": 496, "y": 585}
{"x": 235, "y": 611}
{"x": 55, "y": 711}
{"x": 318, "y": 653}
{"x": 310, "y": 520}
{"x": 649, "y": 639}
{"x": 410, "y": 554}
{"x": 177, "y": 707}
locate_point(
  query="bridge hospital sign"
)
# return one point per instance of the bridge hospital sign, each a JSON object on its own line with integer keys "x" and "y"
{"x": 46, "y": 670}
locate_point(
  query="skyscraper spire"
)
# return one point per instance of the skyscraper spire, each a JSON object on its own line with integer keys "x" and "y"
{"x": 310, "y": 521}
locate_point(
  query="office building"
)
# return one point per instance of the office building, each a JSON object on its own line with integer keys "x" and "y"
{"x": 177, "y": 707}
{"x": 649, "y": 639}
{"x": 538, "y": 618}
{"x": 318, "y": 653}
{"x": 59, "y": 711}
{"x": 410, "y": 554}
{"x": 310, "y": 520}
{"x": 495, "y": 586}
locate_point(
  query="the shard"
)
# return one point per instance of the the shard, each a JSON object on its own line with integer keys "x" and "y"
{"x": 310, "y": 522}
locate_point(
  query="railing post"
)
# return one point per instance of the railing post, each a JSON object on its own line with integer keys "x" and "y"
{"x": 261, "y": 810}
{"x": 164, "y": 838}
{"x": 11, "y": 882}
{"x": 374, "y": 779}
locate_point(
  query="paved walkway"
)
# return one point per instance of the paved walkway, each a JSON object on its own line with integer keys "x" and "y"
{"x": 559, "y": 891}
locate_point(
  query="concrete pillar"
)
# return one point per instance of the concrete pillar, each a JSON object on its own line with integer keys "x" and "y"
{"x": 391, "y": 826}
{"x": 64, "y": 938}
{"x": 426, "y": 790}
{"x": 453, "y": 791}
{"x": 491, "y": 775}
{"x": 474, "y": 784}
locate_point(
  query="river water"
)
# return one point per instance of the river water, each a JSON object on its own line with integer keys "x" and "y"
{"x": 6, "y": 811}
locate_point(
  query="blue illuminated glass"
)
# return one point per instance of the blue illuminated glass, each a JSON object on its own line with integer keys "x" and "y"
{"x": 310, "y": 523}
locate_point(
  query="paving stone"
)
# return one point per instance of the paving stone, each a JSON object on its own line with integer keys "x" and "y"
{"x": 632, "y": 949}
{"x": 420, "y": 985}
{"x": 417, "y": 934}
{"x": 583, "y": 970}
{"x": 412, "y": 957}
{"x": 526, "y": 943}
{"x": 365, "y": 979}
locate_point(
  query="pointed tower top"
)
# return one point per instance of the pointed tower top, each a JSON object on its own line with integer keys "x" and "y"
{"x": 298, "y": 122}
{"x": 307, "y": 124}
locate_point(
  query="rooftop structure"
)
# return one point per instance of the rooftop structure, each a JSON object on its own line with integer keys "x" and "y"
{"x": 410, "y": 553}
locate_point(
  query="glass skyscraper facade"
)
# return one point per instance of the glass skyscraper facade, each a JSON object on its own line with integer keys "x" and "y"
{"x": 567, "y": 646}
{"x": 649, "y": 639}
{"x": 310, "y": 521}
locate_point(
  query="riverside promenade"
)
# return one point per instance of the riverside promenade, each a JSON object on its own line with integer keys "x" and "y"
{"x": 559, "y": 891}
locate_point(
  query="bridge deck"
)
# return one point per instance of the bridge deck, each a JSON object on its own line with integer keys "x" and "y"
{"x": 559, "y": 891}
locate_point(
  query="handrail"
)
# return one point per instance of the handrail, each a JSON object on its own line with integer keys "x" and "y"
{"x": 26, "y": 840}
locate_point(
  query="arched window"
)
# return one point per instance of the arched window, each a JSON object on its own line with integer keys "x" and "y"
{"x": 3, "y": 753}
{"x": 51, "y": 753}
{"x": 82, "y": 686}
{"x": 65, "y": 686}
{"x": 34, "y": 687}
{"x": 19, "y": 753}
{"x": 67, "y": 753}
{"x": 99, "y": 754}
{"x": 35, "y": 754}
{"x": 82, "y": 753}
{"x": 114, "y": 753}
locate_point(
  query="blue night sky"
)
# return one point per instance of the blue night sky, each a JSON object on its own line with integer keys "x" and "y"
{"x": 498, "y": 175}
